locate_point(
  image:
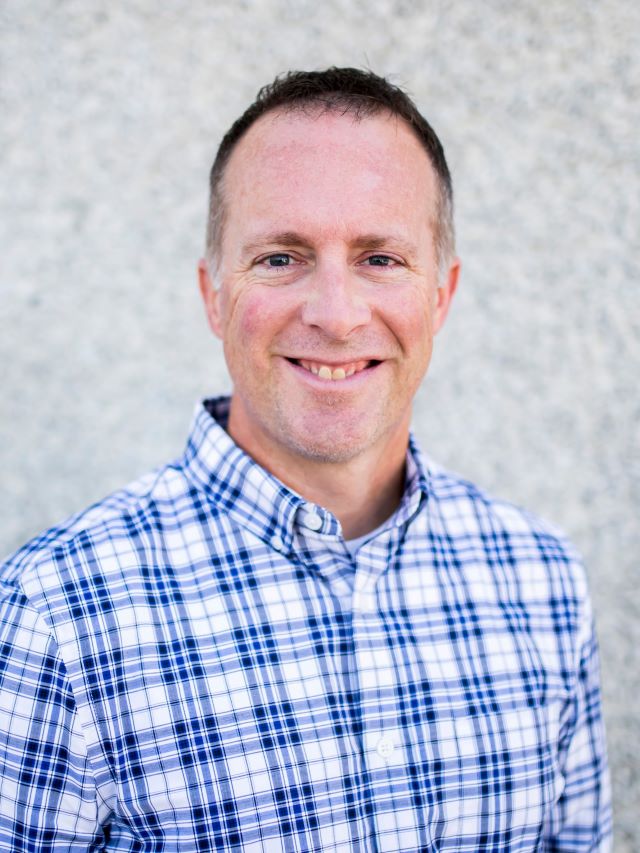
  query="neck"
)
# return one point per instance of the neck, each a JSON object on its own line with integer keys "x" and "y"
{"x": 361, "y": 492}
{"x": 360, "y": 496}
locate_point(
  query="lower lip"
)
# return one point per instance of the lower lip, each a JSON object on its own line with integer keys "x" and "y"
{"x": 335, "y": 384}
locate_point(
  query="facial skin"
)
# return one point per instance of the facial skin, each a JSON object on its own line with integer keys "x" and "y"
{"x": 327, "y": 267}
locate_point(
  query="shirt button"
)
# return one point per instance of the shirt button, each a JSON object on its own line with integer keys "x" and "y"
{"x": 385, "y": 747}
{"x": 277, "y": 543}
{"x": 313, "y": 521}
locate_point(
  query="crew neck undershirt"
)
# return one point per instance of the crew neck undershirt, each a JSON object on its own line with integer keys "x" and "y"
{"x": 354, "y": 545}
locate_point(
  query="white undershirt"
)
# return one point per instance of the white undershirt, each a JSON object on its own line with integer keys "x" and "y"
{"x": 354, "y": 545}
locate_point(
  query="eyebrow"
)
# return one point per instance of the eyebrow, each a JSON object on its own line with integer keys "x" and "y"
{"x": 369, "y": 242}
{"x": 285, "y": 238}
{"x": 381, "y": 241}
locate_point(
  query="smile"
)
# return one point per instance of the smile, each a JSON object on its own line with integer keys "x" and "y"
{"x": 335, "y": 371}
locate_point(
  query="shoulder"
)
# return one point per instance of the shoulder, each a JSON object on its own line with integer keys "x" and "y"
{"x": 99, "y": 541}
{"x": 504, "y": 533}
{"x": 478, "y": 510}
{"x": 504, "y": 556}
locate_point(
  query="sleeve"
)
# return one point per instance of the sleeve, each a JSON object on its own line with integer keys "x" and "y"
{"x": 48, "y": 797}
{"x": 581, "y": 820}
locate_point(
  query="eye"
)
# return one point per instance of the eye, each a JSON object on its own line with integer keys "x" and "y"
{"x": 280, "y": 259}
{"x": 382, "y": 261}
{"x": 276, "y": 267}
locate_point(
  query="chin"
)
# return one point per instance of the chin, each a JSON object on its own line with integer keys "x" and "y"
{"x": 320, "y": 452}
{"x": 330, "y": 434}
{"x": 335, "y": 445}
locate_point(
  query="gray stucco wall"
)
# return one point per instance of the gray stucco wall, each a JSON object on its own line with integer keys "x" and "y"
{"x": 111, "y": 113}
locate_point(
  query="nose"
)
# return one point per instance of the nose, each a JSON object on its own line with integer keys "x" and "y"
{"x": 336, "y": 303}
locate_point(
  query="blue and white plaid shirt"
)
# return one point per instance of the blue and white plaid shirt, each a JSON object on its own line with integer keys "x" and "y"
{"x": 197, "y": 663}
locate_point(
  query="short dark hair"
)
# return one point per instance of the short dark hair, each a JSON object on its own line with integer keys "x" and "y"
{"x": 351, "y": 91}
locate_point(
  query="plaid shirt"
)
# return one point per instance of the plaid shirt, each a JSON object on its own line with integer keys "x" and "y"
{"x": 197, "y": 663}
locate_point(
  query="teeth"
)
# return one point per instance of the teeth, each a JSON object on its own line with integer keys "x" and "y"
{"x": 337, "y": 373}
{"x": 323, "y": 371}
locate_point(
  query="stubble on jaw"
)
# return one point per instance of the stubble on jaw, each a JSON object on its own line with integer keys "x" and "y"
{"x": 333, "y": 436}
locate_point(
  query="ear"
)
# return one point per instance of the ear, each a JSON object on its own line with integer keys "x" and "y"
{"x": 445, "y": 292}
{"x": 210, "y": 297}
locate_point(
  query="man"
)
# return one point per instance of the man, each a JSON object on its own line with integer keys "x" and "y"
{"x": 303, "y": 635}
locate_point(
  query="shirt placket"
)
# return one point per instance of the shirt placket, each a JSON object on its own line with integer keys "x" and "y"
{"x": 381, "y": 677}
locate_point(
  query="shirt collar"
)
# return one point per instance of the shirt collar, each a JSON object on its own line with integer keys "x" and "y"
{"x": 262, "y": 504}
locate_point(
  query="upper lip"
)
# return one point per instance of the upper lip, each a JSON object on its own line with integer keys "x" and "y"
{"x": 331, "y": 362}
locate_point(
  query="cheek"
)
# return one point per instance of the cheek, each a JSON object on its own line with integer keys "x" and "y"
{"x": 256, "y": 317}
{"x": 251, "y": 320}
{"x": 411, "y": 319}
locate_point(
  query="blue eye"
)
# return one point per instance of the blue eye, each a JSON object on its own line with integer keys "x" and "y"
{"x": 280, "y": 260}
{"x": 380, "y": 260}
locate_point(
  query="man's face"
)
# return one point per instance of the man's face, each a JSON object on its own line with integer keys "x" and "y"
{"x": 328, "y": 299}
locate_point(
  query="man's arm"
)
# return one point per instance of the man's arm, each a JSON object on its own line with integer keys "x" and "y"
{"x": 581, "y": 820}
{"x": 48, "y": 796}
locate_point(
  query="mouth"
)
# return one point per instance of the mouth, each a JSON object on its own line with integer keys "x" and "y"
{"x": 334, "y": 372}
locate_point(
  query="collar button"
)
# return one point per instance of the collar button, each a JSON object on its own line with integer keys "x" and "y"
{"x": 313, "y": 521}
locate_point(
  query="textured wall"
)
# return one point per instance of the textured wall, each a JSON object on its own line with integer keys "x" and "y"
{"x": 110, "y": 115}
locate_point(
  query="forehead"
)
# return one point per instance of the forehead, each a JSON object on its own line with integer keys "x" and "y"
{"x": 328, "y": 164}
{"x": 279, "y": 130}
